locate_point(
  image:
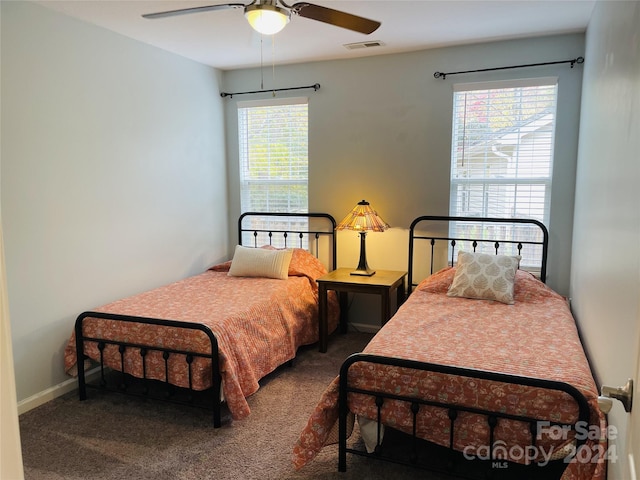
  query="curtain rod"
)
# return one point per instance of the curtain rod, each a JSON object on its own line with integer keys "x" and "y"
{"x": 273, "y": 90}
{"x": 572, "y": 62}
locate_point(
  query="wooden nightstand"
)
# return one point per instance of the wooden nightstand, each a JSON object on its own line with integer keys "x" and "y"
{"x": 383, "y": 283}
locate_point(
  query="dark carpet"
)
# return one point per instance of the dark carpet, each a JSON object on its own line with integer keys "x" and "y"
{"x": 111, "y": 436}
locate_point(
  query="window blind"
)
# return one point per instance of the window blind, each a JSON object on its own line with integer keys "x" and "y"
{"x": 273, "y": 151}
{"x": 502, "y": 150}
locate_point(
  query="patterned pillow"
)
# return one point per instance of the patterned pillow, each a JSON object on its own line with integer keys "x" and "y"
{"x": 484, "y": 276}
{"x": 260, "y": 262}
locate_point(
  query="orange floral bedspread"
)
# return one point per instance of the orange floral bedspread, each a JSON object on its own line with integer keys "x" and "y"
{"x": 259, "y": 324}
{"x": 535, "y": 337}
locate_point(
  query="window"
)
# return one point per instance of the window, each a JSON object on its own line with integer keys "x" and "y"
{"x": 274, "y": 156}
{"x": 502, "y": 150}
{"x": 273, "y": 149}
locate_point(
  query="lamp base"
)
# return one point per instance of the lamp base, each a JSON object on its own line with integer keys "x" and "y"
{"x": 363, "y": 273}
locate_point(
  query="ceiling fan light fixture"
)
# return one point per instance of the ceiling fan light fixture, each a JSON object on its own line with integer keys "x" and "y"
{"x": 266, "y": 19}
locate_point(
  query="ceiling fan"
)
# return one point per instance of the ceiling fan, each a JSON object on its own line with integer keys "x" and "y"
{"x": 271, "y": 16}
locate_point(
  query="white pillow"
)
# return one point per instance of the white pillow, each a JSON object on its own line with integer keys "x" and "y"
{"x": 260, "y": 262}
{"x": 484, "y": 276}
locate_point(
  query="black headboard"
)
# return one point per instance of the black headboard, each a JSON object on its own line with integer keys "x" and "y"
{"x": 312, "y": 231}
{"x": 510, "y": 236}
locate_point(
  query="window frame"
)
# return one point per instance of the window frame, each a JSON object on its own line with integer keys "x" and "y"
{"x": 487, "y": 183}
{"x": 245, "y": 184}
{"x": 243, "y": 159}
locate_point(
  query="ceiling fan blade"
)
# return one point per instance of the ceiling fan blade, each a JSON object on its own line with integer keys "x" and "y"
{"x": 184, "y": 11}
{"x": 335, "y": 17}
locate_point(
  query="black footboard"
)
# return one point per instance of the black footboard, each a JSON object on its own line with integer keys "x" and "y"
{"x": 143, "y": 350}
{"x": 448, "y": 460}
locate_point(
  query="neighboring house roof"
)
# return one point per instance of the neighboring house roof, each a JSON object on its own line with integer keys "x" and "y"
{"x": 503, "y": 142}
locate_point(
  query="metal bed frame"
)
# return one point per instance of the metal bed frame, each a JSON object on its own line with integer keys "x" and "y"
{"x": 312, "y": 233}
{"x": 495, "y": 244}
{"x": 428, "y": 456}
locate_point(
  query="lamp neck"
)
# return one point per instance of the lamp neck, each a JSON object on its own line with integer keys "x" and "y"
{"x": 363, "y": 268}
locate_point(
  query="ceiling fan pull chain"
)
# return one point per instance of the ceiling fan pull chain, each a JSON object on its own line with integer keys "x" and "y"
{"x": 273, "y": 64}
{"x": 261, "y": 64}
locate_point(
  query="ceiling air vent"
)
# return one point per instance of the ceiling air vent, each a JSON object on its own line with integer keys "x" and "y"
{"x": 368, "y": 44}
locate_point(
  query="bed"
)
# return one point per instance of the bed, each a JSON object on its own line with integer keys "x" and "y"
{"x": 211, "y": 337}
{"x": 465, "y": 381}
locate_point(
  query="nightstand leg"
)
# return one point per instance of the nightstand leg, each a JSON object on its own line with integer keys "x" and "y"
{"x": 401, "y": 294}
{"x": 322, "y": 318}
{"x": 386, "y": 307}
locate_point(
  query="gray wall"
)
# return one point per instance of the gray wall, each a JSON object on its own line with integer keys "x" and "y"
{"x": 605, "y": 267}
{"x": 380, "y": 130}
{"x": 113, "y": 176}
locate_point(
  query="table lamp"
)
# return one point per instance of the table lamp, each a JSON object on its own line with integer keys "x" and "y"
{"x": 362, "y": 219}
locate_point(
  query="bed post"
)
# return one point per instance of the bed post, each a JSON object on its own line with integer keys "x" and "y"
{"x": 82, "y": 388}
{"x": 343, "y": 410}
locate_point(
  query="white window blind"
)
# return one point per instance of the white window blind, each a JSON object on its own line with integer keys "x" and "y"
{"x": 273, "y": 149}
{"x": 502, "y": 150}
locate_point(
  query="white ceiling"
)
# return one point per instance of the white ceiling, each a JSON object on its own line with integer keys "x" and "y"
{"x": 224, "y": 39}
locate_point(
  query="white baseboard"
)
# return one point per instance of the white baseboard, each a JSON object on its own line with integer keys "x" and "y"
{"x": 364, "y": 327}
{"x": 632, "y": 468}
{"x": 56, "y": 391}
